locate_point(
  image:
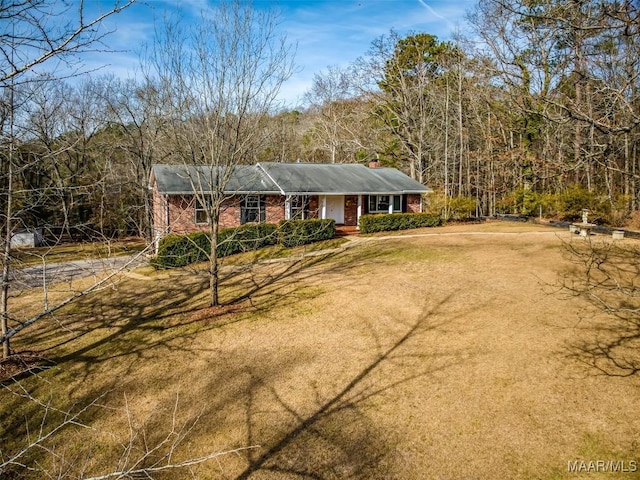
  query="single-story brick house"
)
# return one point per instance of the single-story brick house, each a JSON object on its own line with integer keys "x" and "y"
{"x": 271, "y": 192}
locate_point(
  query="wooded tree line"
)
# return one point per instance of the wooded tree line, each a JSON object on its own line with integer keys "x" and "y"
{"x": 539, "y": 99}
{"x": 538, "y": 102}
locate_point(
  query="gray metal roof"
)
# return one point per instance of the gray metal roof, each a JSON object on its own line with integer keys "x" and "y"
{"x": 398, "y": 179}
{"x": 339, "y": 179}
{"x": 287, "y": 178}
{"x": 180, "y": 179}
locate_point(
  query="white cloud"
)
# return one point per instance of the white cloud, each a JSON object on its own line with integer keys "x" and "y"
{"x": 431, "y": 10}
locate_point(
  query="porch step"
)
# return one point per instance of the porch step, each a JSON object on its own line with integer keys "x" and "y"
{"x": 346, "y": 230}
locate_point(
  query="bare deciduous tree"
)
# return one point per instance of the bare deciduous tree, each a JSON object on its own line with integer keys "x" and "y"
{"x": 148, "y": 446}
{"x": 329, "y": 100}
{"x": 220, "y": 78}
{"x": 35, "y": 34}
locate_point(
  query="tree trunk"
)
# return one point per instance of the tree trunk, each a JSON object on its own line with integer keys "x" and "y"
{"x": 460, "y": 134}
{"x": 214, "y": 265}
{"x": 6, "y": 253}
{"x": 6, "y": 259}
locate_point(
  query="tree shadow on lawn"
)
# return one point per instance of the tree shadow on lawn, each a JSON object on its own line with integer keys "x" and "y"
{"x": 139, "y": 317}
{"x": 123, "y": 321}
{"x": 607, "y": 276}
{"x": 609, "y": 345}
{"x": 339, "y": 437}
{"x": 265, "y": 284}
{"x": 336, "y": 438}
{"x": 134, "y": 323}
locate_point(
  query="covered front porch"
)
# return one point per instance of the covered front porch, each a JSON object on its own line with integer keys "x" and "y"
{"x": 347, "y": 209}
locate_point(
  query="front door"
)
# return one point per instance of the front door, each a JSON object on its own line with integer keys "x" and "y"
{"x": 335, "y": 208}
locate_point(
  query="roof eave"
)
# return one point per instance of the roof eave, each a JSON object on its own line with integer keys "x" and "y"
{"x": 237, "y": 192}
{"x": 397, "y": 192}
{"x": 274, "y": 192}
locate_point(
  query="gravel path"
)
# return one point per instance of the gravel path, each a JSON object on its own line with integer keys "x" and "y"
{"x": 36, "y": 277}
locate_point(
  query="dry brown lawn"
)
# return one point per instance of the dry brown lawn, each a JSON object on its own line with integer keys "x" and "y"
{"x": 444, "y": 353}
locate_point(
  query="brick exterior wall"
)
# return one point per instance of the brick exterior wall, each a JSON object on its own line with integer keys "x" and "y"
{"x": 230, "y": 213}
{"x": 314, "y": 206}
{"x": 182, "y": 215}
{"x": 159, "y": 206}
{"x": 414, "y": 202}
{"x": 181, "y": 210}
{"x": 274, "y": 209}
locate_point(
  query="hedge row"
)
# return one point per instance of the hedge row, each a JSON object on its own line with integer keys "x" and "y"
{"x": 397, "y": 221}
{"x": 301, "y": 232}
{"x": 246, "y": 238}
{"x": 181, "y": 250}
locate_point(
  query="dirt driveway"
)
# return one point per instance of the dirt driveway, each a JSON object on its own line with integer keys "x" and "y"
{"x": 36, "y": 277}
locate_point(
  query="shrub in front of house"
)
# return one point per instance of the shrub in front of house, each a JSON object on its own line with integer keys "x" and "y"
{"x": 182, "y": 250}
{"x": 462, "y": 208}
{"x": 397, "y": 221}
{"x": 246, "y": 238}
{"x": 292, "y": 233}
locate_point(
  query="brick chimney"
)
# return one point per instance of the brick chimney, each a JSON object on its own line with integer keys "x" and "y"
{"x": 374, "y": 164}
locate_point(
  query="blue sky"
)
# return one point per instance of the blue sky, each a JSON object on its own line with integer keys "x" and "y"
{"x": 327, "y": 32}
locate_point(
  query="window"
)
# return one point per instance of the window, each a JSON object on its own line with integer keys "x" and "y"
{"x": 252, "y": 209}
{"x": 380, "y": 203}
{"x": 201, "y": 211}
{"x": 299, "y": 207}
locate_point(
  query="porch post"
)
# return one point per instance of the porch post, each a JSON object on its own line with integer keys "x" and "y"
{"x": 390, "y": 203}
{"x": 359, "y": 212}
{"x": 323, "y": 211}
{"x": 287, "y": 207}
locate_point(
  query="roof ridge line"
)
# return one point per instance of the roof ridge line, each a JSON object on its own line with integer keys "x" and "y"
{"x": 271, "y": 178}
